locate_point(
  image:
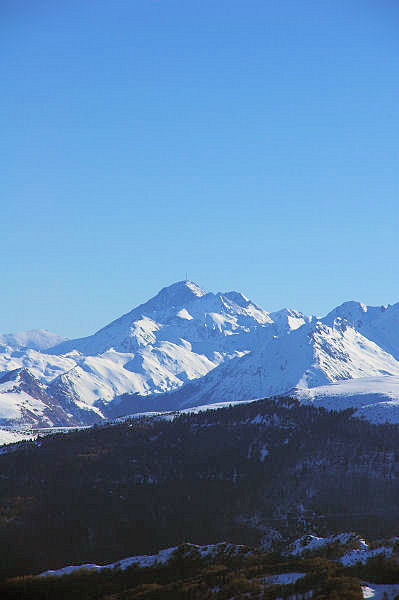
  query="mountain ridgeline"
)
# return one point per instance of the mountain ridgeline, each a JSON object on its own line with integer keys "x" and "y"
{"x": 186, "y": 348}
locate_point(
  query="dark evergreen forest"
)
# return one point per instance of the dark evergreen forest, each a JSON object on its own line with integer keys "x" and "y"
{"x": 244, "y": 474}
{"x": 188, "y": 576}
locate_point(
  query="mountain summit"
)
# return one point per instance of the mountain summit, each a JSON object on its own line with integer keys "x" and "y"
{"x": 36, "y": 339}
{"x": 181, "y": 311}
{"x": 179, "y": 335}
{"x": 185, "y": 347}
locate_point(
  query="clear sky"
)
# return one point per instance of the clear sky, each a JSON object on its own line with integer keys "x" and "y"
{"x": 253, "y": 144}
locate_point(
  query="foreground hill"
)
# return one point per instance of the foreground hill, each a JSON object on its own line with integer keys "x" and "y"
{"x": 342, "y": 566}
{"x": 256, "y": 474}
{"x": 215, "y": 571}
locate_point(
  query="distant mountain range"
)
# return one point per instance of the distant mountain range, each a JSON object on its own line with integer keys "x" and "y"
{"x": 186, "y": 347}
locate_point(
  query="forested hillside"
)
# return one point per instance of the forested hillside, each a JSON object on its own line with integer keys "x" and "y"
{"x": 258, "y": 474}
{"x": 189, "y": 574}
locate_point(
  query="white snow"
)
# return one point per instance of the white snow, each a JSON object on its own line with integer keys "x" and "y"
{"x": 43, "y": 366}
{"x": 14, "y": 402}
{"x": 288, "y": 320}
{"x": 184, "y": 314}
{"x": 141, "y": 561}
{"x": 310, "y": 356}
{"x": 376, "y": 398}
{"x": 150, "y": 560}
{"x": 178, "y": 336}
{"x": 362, "y": 555}
{"x": 37, "y": 339}
{"x": 380, "y": 591}
{"x": 359, "y": 553}
{"x": 210, "y": 348}
{"x": 10, "y": 437}
{"x": 378, "y": 323}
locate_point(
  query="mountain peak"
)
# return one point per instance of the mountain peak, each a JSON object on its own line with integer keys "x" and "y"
{"x": 288, "y": 319}
{"x": 37, "y": 339}
{"x": 184, "y": 286}
{"x": 175, "y": 295}
{"x": 356, "y": 313}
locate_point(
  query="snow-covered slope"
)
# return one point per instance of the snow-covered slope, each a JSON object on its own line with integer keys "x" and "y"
{"x": 354, "y": 549}
{"x": 179, "y": 335}
{"x": 10, "y": 436}
{"x": 24, "y": 401}
{"x": 357, "y": 314}
{"x": 186, "y": 347}
{"x": 310, "y": 356}
{"x": 163, "y": 556}
{"x": 377, "y": 323}
{"x": 287, "y": 319}
{"x": 37, "y": 339}
{"x": 43, "y": 366}
{"x": 180, "y": 311}
{"x": 376, "y": 398}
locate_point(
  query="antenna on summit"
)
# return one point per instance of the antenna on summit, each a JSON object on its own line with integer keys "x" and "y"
{"x": 186, "y": 276}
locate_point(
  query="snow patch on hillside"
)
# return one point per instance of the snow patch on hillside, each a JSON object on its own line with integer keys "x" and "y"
{"x": 359, "y": 551}
{"x": 154, "y": 559}
{"x": 11, "y": 437}
{"x": 362, "y": 555}
{"x": 312, "y": 543}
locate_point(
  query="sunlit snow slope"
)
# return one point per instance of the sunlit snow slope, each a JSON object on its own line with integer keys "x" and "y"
{"x": 311, "y": 356}
{"x": 186, "y": 347}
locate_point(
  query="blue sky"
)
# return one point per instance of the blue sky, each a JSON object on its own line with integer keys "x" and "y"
{"x": 253, "y": 144}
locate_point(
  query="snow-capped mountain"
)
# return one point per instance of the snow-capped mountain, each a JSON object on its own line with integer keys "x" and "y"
{"x": 310, "y": 356}
{"x": 37, "y": 339}
{"x": 378, "y": 323}
{"x": 186, "y": 347}
{"x": 179, "y": 335}
{"x": 179, "y": 312}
